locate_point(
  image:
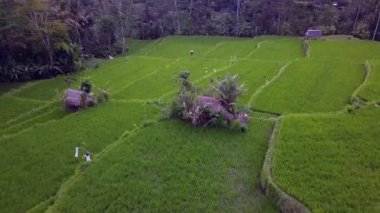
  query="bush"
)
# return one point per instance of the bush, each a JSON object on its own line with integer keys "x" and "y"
{"x": 237, "y": 125}
{"x": 228, "y": 90}
{"x": 101, "y": 96}
{"x": 86, "y": 86}
{"x": 215, "y": 108}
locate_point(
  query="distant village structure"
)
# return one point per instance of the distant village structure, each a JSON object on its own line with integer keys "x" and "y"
{"x": 313, "y": 34}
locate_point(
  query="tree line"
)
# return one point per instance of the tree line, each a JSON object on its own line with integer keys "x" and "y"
{"x": 44, "y": 38}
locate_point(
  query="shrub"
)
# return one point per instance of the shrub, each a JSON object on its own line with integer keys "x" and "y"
{"x": 101, "y": 96}
{"x": 86, "y": 86}
{"x": 228, "y": 90}
{"x": 235, "y": 125}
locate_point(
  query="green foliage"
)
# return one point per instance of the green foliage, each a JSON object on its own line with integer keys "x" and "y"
{"x": 362, "y": 31}
{"x": 236, "y": 125}
{"x": 228, "y": 90}
{"x": 101, "y": 96}
{"x": 86, "y": 86}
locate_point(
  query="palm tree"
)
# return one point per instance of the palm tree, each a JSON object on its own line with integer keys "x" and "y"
{"x": 228, "y": 90}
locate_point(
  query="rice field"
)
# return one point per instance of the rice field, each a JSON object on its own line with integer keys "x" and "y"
{"x": 371, "y": 90}
{"x": 326, "y": 157}
{"x": 310, "y": 86}
{"x": 207, "y": 170}
{"x": 331, "y": 163}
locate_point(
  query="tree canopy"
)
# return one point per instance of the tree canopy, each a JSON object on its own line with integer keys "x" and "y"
{"x": 43, "y": 38}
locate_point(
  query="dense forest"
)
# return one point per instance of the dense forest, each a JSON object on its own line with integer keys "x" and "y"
{"x": 44, "y": 38}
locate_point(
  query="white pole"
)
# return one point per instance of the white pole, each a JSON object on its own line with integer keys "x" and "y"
{"x": 76, "y": 152}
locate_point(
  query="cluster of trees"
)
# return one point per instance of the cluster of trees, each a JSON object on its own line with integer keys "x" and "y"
{"x": 215, "y": 107}
{"x": 43, "y": 38}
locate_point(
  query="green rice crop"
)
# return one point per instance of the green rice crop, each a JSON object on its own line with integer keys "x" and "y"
{"x": 346, "y": 51}
{"x": 34, "y": 163}
{"x": 11, "y": 107}
{"x": 43, "y": 90}
{"x": 7, "y": 87}
{"x": 327, "y": 161}
{"x": 54, "y": 114}
{"x": 371, "y": 91}
{"x": 227, "y": 49}
{"x": 279, "y": 49}
{"x": 310, "y": 86}
{"x": 135, "y": 45}
{"x": 165, "y": 80}
{"x": 331, "y": 163}
{"x": 123, "y": 71}
{"x": 180, "y": 46}
{"x": 172, "y": 166}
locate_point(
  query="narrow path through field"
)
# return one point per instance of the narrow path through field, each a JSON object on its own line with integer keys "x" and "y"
{"x": 23, "y": 87}
{"x": 368, "y": 72}
{"x": 28, "y": 99}
{"x": 213, "y": 49}
{"x": 6, "y": 129}
{"x": 262, "y": 87}
{"x": 200, "y": 79}
{"x": 23, "y": 115}
{"x": 71, "y": 180}
{"x": 257, "y": 48}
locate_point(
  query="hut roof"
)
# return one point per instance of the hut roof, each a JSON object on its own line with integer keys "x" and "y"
{"x": 75, "y": 97}
{"x": 214, "y": 105}
{"x": 313, "y": 33}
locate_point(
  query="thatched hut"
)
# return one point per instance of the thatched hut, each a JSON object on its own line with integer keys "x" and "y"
{"x": 77, "y": 99}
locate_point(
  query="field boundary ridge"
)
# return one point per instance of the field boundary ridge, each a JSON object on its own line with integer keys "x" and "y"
{"x": 284, "y": 201}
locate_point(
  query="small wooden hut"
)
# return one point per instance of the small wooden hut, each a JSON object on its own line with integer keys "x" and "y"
{"x": 77, "y": 99}
{"x": 312, "y": 34}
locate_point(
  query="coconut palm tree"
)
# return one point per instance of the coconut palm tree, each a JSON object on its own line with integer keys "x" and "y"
{"x": 228, "y": 90}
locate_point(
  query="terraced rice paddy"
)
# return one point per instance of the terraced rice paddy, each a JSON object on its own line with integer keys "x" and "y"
{"x": 325, "y": 157}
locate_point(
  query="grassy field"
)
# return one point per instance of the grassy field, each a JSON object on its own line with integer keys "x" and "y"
{"x": 346, "y": 51}
{"x": 371, "y": 91}
{"x": 11, "y": 107}
{"x": 160, "y": 170}
{"x": 331, "y": 163}
{"x": 142, "y": 163}
{"x": 36, "y": 161}
{"x": 309, "y": 86}
{"x": 283, "y": 49}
